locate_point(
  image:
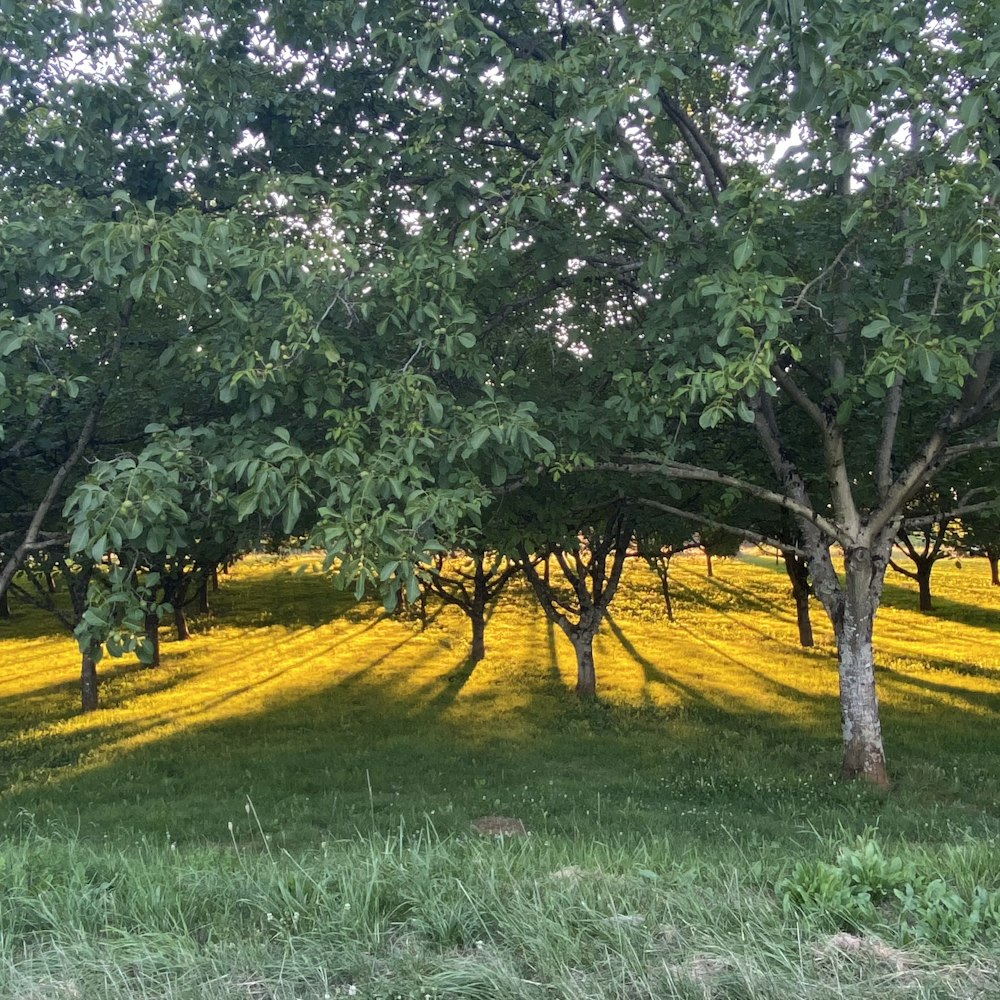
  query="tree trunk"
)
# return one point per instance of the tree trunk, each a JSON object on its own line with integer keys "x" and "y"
{"x": 177, "y": 599}
{"x": 994, "y": 558}
{"x": 4, "y": 605}
{"x": 924, "y": 584}
{"x": 660, "y": 565}
{"x": 203, "y": 606}
{"x": 152, "y": 628}
{"x": 708, "y": 564}
{"x": 798, "y": 572}
{"x": 215, "y": 578}
{"x": 180, "y": 620}
{"x": 50, "y": 583}
{"x": 88, "y": 681}
{"x": 864, "y": 754}
{"x": 586, "y": 675}
{"x": 477, "y": 615}
{"x": 668, "y": 603}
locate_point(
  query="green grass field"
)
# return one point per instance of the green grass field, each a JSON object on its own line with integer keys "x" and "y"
{"x": 283, "y": 808}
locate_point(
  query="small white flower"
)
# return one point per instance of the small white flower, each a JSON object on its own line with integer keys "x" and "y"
{"x": 352, "y": 990}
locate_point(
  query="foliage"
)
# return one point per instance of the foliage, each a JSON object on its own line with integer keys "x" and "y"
{"x": 866, "y": 890}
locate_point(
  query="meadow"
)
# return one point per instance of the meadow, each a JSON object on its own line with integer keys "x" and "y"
{"x": 285, "y": 807}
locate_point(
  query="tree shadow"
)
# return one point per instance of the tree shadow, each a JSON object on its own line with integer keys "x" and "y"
{"x": 396, "y": 731}
{"x": 903, "y": 598}
{"x": 652, "y": 674}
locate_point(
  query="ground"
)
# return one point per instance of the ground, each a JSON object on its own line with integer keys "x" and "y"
{"x": 684, "y": 837}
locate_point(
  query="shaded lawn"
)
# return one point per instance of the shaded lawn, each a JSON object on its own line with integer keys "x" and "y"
{"x": 331, "y": 718}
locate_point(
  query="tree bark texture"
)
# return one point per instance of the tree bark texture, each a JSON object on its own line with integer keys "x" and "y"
{"x": 477, "y": 616}
{"x": 152, "y": 630}
{"x": 864, "y": 754}
{"x": 203, "y": 605}
{"x": 180, "y": 620}
{"x": 88, "y": 681}
{"x": 586, "y": 673}
{"x": 4, "y": 605}
{"x": 797, "y": 569}
{"x": 994, "y": 558}
{"x": 924, "y": 585}
{"x": 175, "y": 593}
{"x": 663, "y": 571}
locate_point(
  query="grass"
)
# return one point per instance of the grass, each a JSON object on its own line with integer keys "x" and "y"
{"x": 306, "y": 755}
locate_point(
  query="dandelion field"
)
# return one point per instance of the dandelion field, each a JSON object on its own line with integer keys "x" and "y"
{"x": 283, "y": 808}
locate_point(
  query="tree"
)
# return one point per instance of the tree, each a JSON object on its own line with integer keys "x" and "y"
{"x": 658, "y": 539}
{"x": 485, "y": 242}
{"x": 832, "y": 287}
{"x": 471, "y": 581}
{"x": 589, "y": 545}
{"x": 980, "y": 536}
{"x": 924, "y": 546}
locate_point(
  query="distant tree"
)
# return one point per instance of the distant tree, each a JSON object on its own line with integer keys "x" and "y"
{"x": 589, "y": 547}
{"x": 657, "y": 541}
{"x": 979, "y": 535}
{"x": 471, "y": 581}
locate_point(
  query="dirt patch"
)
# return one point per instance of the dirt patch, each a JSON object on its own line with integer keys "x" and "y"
{"x": 498, "y": 826}
{"x": 866, "y": 949}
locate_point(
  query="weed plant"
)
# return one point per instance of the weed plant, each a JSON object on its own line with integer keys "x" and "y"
{"x": 283, "y": 808}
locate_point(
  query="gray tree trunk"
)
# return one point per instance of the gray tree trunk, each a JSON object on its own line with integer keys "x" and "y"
{"x": 864, "y": 753}
{"x": 586, "y": 674}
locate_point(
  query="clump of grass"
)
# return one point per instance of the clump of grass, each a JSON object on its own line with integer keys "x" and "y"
{"x": 415, "y": 914}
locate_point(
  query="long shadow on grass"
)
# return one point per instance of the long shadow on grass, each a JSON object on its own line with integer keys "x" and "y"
{"x": 766, "y": 608}
{"x": 555, "y": 674}
{"x": 353, "y": 752}
{"x": 744, "y": 600}
{"x": 905, "y": 598}
{"x": 820, "y": 706}
{"x": 982, "y": 701}
{"x": 456, "y": 678}
{"x": 654, "y": 675}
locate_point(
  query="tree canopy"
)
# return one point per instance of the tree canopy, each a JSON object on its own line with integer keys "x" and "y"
{"x": 362, "y": 268}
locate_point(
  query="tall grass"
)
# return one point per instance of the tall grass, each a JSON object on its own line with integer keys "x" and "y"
{"x": 283, "y": 809}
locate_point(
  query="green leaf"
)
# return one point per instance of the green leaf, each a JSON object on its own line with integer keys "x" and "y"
{"x": 498, "y": 473}
{"x": 743, "y": 252}
{"x": 196, "y": 278}
{"x": 875, "y": 328}
{"x": 929, "y": 364}
{"x": 478, "y": 438}
{"x": 425, "y": 53}
{"x": 860, "y": 118}
{"x": 841, "y": 163}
